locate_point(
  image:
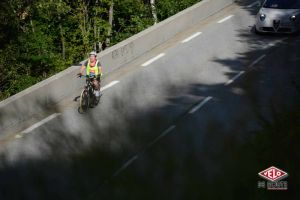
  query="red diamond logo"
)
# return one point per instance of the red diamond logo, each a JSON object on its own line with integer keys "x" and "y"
{"x": 273, "y": 174}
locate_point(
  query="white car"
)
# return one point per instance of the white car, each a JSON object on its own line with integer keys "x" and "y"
{"x": 278, "y": 16}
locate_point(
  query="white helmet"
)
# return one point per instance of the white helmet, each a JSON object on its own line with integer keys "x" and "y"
{"x": 93, "y": 53}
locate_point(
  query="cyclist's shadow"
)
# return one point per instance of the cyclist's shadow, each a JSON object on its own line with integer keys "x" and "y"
{"x": 76, "y": 98}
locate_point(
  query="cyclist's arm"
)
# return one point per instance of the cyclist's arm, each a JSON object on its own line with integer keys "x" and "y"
{"x": 83, "y": 67}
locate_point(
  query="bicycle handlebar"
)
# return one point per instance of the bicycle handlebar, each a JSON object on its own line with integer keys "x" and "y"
{"x": 87, "y": 76}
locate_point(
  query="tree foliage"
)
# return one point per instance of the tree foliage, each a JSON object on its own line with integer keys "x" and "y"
{"x": 40, "y": 38}
{"x": 167, "y": 8}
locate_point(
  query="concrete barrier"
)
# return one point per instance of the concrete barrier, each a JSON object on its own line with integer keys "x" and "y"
{"x": 48, "y": 92}
{"x": 137, "y": 45}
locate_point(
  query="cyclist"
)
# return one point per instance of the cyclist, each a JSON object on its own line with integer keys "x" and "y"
{"x": 93, "y": 67}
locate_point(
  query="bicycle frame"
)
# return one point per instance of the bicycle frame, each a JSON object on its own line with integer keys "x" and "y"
{"x": 87, "y": 94}
{"x": 89, "y": 84}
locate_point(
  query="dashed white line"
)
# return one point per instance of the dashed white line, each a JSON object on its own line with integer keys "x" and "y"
{"x": 271, "y": 44}
{"x": 18, "y": 136}
{"x": 197, "y": 107}
{"x": 257, "y": 60}
{"x": 253, "y": 4}
{"x": 129, "y": 162}
{"x": 234, "y": 78}
{"x": 274, "y": 43}
{"x": 171, "y": 128}
{"x": 153, "y": 59}
{"x": 191, "y": 37}
{"x": 109, "y": 85}
{"x": 38, "y": 124}
{"x": 225, "y": 19}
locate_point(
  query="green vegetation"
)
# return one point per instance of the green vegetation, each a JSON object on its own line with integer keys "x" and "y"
{"x": 40, "y": 38}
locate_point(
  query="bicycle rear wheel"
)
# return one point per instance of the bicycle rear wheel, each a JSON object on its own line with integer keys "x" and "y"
{"x": 84, "y": 101}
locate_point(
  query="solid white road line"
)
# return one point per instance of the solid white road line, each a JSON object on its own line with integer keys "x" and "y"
{"x": 234, "y": 78}
{"x": 202, "y": 103}
{"x": 129, "y": 162}
{"x": 191, "y": 37}
{"x": 171, "y": 128}
{"x": 109, "y": 85}
{"x": 253, "y": 4}
{"x": 38, "y": 124}
{"x": 257, "y": 60}
{"x": 153, "y": 59}
{"x": 225, "y": 19}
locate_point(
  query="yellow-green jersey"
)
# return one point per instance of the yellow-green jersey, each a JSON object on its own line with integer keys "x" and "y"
{"x": 93, "y": 69}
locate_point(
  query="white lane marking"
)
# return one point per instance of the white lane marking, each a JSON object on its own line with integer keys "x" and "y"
{"x": 253, "y": 4}
{"x": 153, "y": 59}
{"x": 275, "y": 42}
{"x": 129, "y": 162}
{"x": 171, "y": 128}
{"x": 191, "y": 37}
{"x": 40, "y": 123}
{"x": 18, "y": 136}
{"x": 234, "y": 78}
{"x": 272, "y": 44}
{"x": 109, "y": 85}
{"x": 202, "y": 103}
{"x": 257, "y": 60}
{"x": 225, "y": 19}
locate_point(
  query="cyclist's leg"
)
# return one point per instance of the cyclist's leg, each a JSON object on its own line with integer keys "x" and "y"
{"x": 96, "y": 87}
{"x": 96, "y": 84}
{"x": 99, "y": 82}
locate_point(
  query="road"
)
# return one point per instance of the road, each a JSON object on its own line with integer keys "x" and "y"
{"x": 184, "y": 121}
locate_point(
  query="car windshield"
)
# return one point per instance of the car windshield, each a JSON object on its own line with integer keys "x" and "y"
{"x": 282, "y": 4}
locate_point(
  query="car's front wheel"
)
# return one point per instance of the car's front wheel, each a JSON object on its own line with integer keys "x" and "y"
{"x": 256, "y": 31}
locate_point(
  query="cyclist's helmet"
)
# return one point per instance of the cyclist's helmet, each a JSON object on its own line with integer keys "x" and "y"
{"x": 93, "y": 53}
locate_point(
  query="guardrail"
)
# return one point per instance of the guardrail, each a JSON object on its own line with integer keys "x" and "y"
{"x": 52, "y": 90}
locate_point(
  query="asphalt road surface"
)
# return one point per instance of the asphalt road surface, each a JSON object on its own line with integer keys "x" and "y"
{"x": 195, "y": 118}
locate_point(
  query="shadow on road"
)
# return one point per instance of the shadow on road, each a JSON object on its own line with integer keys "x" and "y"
{"x": 220, "y": 160}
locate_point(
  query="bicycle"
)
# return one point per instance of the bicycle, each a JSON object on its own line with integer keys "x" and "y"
{"x": 87, "y": 96}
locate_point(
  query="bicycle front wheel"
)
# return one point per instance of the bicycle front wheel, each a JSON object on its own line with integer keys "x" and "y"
{"x": 84, "y": 101}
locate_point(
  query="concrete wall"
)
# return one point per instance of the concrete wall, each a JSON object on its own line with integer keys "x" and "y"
{"x": 36, "y": 98}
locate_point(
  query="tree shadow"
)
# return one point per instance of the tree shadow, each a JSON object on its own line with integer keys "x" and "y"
{"x": 214, "y": 156}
